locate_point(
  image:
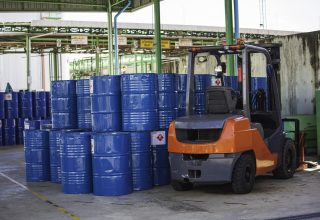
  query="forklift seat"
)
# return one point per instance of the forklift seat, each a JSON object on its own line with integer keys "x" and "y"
{"x": 221, "y": 100}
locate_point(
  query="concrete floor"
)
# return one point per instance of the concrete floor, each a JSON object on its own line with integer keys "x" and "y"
{"x": 270, "y": 199}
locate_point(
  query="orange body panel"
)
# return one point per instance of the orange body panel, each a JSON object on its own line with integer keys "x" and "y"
{"x": 237, "y": 136}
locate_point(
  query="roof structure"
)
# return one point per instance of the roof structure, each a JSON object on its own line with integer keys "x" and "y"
{"x": 69, "y": 5}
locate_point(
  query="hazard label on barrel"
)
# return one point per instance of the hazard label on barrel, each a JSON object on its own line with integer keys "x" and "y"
{"x": 158, "y": 138}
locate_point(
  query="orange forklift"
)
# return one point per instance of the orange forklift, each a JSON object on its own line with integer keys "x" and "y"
{"x": 232, "y": 142}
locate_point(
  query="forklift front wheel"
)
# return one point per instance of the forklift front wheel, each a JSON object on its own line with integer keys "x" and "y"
{"x": 244, "y": 173}
{"x": 287, "y": 165}
{"x": 181, "y": 186}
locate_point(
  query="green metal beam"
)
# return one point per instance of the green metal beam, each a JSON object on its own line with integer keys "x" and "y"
{"x": 55, "y": 66}
{"x": 157, "y": 32}
{"x": 98, "y": 71}
{"x": 110, "y": 40}
{"x": 28, "y": 54}
{"x": 229, "y": 35}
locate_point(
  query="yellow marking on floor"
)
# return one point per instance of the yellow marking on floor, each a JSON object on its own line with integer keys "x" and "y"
{"x": 42, "y": 198}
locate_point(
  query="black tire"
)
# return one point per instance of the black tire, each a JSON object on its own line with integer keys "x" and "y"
{"x": 244, "y": 173}
{"x": 181, "y": 186}
{"x": 288, "y": 161}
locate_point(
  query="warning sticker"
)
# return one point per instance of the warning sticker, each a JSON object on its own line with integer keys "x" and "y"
{"x": 8, "y": 97}
{"x": 158, "y": 138}
{"x": 26, "y": 126}
{"x": 91, "y": 86}
{"x": 92, "y": 146}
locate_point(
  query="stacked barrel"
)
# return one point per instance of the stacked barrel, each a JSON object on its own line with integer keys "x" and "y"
{"x": 64, "y": 104}
{"x": 36, "y": 147}
{"x": 202, "y": 82}
{"x": 140, "y": 117}
{"x": 76, "y": 172}
{"x": 15, "y": 108}
{"x": 181, "y": 90}
{"x": 166, "y": 99}
{"x": 84, "y": 104}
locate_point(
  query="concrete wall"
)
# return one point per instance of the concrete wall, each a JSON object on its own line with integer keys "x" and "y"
{"x": 299, "y": 72}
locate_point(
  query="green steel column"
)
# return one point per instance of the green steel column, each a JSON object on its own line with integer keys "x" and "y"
{"x": 157, "y": 32}
{"x": 55, "y": 66}
{"x": 318, "y": 122}
{"x": 229, "y": 35}
{"x": 110, "y": 39}
{"x": 28, "y": 54}
{"x": 98, "y": 70}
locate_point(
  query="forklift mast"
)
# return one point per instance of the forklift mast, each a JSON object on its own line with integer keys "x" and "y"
{"x": 271, "y": 52}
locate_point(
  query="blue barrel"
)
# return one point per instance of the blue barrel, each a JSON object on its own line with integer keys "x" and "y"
{"x": 84, "y": 104}
{"x": 202, "y": 82}
{"x": 111, "y": 164}
{"x": 181, "y": 88}
{"x": 139, "y": 102}
{"x": 19, "y": 130}
{"x": 9, "y": 131}
{"x": 40, "y": 104}
{"x": 1, "y": 133}
{"x": 166, "y": 99}
{"x": 36, "y": 150}
{"x": 2, "y": 111}
{"x": 11, "y": 105}
{"x": 31, "y": 124}
{"x": 160, "y": 158}
{"x": 48, "y": 103}
{"x": 76, "y": 172}
{"x": 55, "y": 158}
{"x": 64, "y": 104}
{"x": 141, "y": 160}
{"x": 106, "y": 103}
{"x": 25, "y": 104}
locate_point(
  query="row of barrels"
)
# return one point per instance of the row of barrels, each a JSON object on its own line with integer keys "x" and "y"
{"x": 130, "y": 102}
{"x": 108, "y": 164}
{"x": 25, "y": 104}
{"x": 11, "y": 129}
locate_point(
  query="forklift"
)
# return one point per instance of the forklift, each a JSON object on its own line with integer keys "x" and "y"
{"x": 233, "y": 142}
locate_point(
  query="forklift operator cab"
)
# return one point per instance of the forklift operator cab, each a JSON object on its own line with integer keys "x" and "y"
{"x": 234, "y": 141}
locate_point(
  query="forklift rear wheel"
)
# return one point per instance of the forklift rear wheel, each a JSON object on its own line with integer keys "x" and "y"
{"x": 287, "y": 165}
{"x": 181, "y": 186}
{"x": 244, "y": 173}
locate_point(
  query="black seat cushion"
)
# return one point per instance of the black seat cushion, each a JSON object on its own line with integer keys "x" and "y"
{"x": 220, "y": 100}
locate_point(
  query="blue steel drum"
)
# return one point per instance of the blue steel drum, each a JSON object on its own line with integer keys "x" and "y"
{"x": 202, "y": 82}
{"x": 167, "y": 108}
{"x": 64, "y": 104}
{"x": 25, "y": 104}
{"x": 40, "y": 104}
{"x": 200, "y": 103}
{"x": 48, "y": 104}
{"x": 2, "y": 111}
{"x": 139, "y": 102}
{"x": 166, "y": 117}
{"x": 76, "y": 173}
{"x": 111, "y": 164}
{"x": 1, "y": 133}
{"x": 11, "y": 105}
{"x": 31, "y": 124}
{"x": 161, "y": 166}
{"x": 181, "y": 88}
{"x": 106, "y": 103}
{"x": 9, "y": 131}
{"x": 166, "y": 82}
{"x": 181, "y": 82}
{"x": 84, "y": 104}
{"x": 55, "y": 158}
{"x": 141, "y": 160}
{"x": 36, "y": 148}
{"x": 19, "y": 130}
